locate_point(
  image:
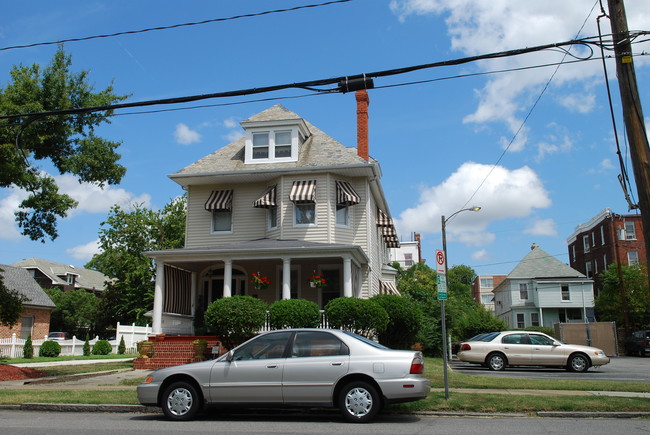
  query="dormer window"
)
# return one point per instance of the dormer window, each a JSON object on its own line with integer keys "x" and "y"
{"x": 274, "y": 142}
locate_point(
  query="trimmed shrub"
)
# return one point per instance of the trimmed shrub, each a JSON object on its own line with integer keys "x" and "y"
{"x": 294, "y": 313}
{"x": 50, "y": 349}
{"x": 121, "y": 348}
{"x": 404, "y": 321}
{"x": 236, "y": 319}
{"x": 360, "y": 316}
{"x": 102, "y": 347}
{"x": 86, "y": 347}
{"x": 28, "y": 348}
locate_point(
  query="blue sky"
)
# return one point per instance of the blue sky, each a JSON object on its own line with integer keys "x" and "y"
{"x": 444, "y": 144}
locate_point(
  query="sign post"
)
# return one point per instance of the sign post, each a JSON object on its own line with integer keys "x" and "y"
{"x": 441, "y": 277}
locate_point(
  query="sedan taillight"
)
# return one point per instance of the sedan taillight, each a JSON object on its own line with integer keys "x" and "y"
{"x": 465, "y": 346}
{"x": 417, "y": 366}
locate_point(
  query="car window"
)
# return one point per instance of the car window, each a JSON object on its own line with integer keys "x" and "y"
{"x": 263, "y": 347}
{"x": 486, "y": 337}
{"x": 313, "y": 343}
{"x": 366, "y": 340}
{"x": 540, "y": 340}
{"x": 515, "y": 339}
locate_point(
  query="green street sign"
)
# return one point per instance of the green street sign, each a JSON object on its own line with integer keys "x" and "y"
{"x": 442, "y": 296}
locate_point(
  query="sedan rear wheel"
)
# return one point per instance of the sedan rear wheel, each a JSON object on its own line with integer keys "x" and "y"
{"x": 181, "y": 401}
{"x": 496, "y": 362}
{"x": 359, "y": 402}
{"x": 578, "y": 363}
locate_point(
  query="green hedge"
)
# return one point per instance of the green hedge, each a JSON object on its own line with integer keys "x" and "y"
{"x": 235, "y": 319}
{"x": 404, "y": 321}
{"x": 361, "y": 316}
{"x": 102, "y": 347}
{"x": 294, "y": 313}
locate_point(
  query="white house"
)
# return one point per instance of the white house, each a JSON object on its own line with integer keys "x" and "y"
{"x": 285, "y": 201}
{"x": 541, "y": 291}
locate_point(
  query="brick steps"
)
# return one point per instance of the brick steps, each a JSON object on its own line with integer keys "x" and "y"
{"x": 173, "y": 351}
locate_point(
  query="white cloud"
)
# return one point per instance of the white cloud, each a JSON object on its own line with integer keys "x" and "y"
{"x": 504, "y": 194}
{"x": 481, "y": 27}
{"x": 185, "y": 136}
{"x": 481, "y": 254}
{"x": 557, "y": 145}
{"x": 91, "y": 198}
{"x": 542, "y": 227}
{"x": 606, "y": 165}
{"x": 230, "y": 123}
{"x": 234, "y": 135}
{"x": 581, "y": 103}
{"x": 84, "y": 252}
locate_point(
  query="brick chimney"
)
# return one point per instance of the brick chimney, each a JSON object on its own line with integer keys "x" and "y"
{"x": 362, "y": 123}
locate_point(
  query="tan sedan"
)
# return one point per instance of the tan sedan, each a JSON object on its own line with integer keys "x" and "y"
{"x": 497, "y": 350}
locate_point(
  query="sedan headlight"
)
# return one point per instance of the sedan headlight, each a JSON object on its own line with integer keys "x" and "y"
{"x": 599, "y": 353}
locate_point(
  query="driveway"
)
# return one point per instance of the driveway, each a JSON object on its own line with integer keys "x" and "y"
{"x": 622, "y": 369}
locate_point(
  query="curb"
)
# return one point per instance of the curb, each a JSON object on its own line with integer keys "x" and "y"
{"x": 572, "y": 414}
{"x": 69, "y": 407}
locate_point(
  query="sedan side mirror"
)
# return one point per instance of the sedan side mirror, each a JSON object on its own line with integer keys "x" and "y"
{"x": 556, "y": 343}
{"x": 230, "y": 356}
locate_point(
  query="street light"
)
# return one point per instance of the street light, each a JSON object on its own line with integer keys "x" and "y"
{"x": 442, "y": 301}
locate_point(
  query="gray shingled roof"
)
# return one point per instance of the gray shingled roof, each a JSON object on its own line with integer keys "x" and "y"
{"x": 86, "y": 278}
{"x": 19, "y": 279}
{"x": 540, "y": 264}
{"x": 319, "y": 150}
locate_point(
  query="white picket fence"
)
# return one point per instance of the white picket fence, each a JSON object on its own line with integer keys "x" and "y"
{"x": 13, "y": 347}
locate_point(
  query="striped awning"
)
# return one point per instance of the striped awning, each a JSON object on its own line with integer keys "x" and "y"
{"x": 388, "y": 287}
{"x": 219, "y": 200}
{"x": 267, "y": 200}
{"x": 303, "y": 191}
{"x": 383, "y": 220}
{"x": 345, "y": 194}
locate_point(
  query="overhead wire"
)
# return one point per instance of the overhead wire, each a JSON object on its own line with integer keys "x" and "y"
{"x": 174, "y": 26}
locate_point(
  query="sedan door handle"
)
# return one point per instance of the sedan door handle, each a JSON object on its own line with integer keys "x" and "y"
{"x": 272, "y": 366}
{"x": 337, "y": 363}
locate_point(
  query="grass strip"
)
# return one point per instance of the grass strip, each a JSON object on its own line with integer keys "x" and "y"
{"x": 98, "y": 397}
{"x": 85, "y": 368}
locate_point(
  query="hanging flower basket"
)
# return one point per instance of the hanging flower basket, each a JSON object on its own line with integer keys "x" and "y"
{"x": 260, "y": 282}
{"x": 316, "y": 280}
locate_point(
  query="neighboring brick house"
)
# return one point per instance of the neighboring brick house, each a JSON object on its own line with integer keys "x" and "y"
{"x": 607, "y": 238}
{"x": 284, "y": 201}
{"x": 50, "y": 274}
{"x": 542, "y": 291}
{"x": 482, "y": 288}
{"x": 37, "y": 306}
{"x": 408, "y": 253}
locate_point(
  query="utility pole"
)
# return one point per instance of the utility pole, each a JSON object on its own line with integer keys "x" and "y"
{"x": 632, "y": 115}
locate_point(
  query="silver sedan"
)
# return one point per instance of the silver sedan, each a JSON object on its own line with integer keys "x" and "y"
{"x": 297, "y": 367}
{"x": 497, "y": 350}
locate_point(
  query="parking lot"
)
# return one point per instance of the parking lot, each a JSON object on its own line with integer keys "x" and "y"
{"x": 622, "y": 369}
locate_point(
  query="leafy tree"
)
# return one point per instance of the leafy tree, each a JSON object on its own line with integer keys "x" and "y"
{"x": 124, "y": 236}
{"x": 608, "y": 304}
{"x": 11, "y": 303}
{"x": 67, "y": 142}
{"x": 76, "y": 311}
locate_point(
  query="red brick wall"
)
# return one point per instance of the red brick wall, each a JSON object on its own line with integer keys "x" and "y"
{"x": 41, "y": 323}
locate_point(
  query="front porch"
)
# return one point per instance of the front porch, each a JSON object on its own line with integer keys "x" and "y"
{"x": 189, "y": 280}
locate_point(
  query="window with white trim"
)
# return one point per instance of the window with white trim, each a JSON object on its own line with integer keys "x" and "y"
{"x": 534, "y": 319}
{"x": 523, "y": 291}
{"x": 632, "y": 258}
{"x": 566, "y": 294}
{"x": 273, "y": 217}
{"x": 221, "y": 221}
{"x": 273, "y": 144}
{"x": 342, "y": 215}
{"x": 630, "y": 231}
{"x": 588, "y": 270}
{"x": 304, "y": 213}
{"x": 585, "y": 242}
{"x": 487, "y": 299}
{"x": 521, "y": 321}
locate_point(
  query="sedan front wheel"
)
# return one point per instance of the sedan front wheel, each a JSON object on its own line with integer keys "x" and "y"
{"x": 181, "y": 401}
{"x": 578, "y": 363}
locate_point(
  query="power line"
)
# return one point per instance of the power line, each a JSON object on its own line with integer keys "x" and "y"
{"x": 175, "y": 26}
{"x": 315, "y": 85}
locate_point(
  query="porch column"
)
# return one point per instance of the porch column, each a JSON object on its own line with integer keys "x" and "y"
{"x": 286, "y": 278}
{"x": 158, "y": 297}
{"x": 193, "y": 286}
{"x": 541, "y": 317}
{"x": 227, "y": 278}
{"x": 347, "y": 277}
